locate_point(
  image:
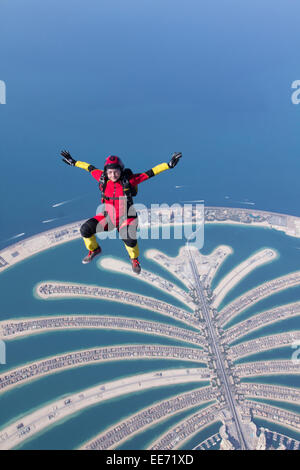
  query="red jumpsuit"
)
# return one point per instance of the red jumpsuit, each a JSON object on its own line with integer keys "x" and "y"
{"x": 118, "y": 210}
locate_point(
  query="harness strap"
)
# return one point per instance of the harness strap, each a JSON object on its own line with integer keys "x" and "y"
{"x": 114, "y": 198}
{"x": 127, "y": 188}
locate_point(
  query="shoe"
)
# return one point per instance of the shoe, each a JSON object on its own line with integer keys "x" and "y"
{"x": 91, "y": 255}
{"x": 136, "y": 267}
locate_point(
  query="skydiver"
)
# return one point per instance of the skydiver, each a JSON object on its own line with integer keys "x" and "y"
{"x": 118, "y": 186}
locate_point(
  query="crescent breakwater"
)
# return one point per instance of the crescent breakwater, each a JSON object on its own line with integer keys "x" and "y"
{"x": 22, "y": 250}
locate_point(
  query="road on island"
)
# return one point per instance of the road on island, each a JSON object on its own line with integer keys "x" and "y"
{"x": 214, "y": 345}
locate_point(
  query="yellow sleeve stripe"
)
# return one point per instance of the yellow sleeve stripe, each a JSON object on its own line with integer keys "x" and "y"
{"x": 83, "y": 165}
{"x": 159, "y": 168}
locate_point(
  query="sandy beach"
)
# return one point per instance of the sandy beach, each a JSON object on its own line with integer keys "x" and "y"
{"x": 121, "y": 267}
{"x": 50, "y": 414}
{"x": 235, "y": 276}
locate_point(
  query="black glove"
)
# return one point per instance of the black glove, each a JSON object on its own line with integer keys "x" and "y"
{"x": 67, "y": 158}
{"x": 175, "y": 159}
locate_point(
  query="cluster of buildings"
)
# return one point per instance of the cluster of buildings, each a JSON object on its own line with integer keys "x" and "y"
{"x": 266, "y": 368}
{"x": 100, "y": 354}
{"x": 37, "y": 243}
{"x": 256, "y": 294}
{"x": 262, "y": 344}
{"x": 176, "y": 213}
{"x": 46, "y": 290}
{"x": 271, "y": 441}
{"x": 210, "y": 442}
{"x": 274, "y": 392}
{"x": 275, "y": 440}
{"x": 287, "y": 223}
{"x": 245, "y": 216}
{"x": 187, "y": 428}
{"x": 10, "y": 329}
{"x": 260, "y": 320}
{"x": 150, "y": 415}
{"x": 280, "y": 415}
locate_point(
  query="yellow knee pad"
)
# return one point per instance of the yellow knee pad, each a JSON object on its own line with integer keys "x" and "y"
{"x": 133, "y": 251}
{"x": 91, "y": 243}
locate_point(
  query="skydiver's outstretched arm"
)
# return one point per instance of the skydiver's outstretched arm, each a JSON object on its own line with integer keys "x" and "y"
{"x": 85, "y": 166}
{"x": 140, "y": 177}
